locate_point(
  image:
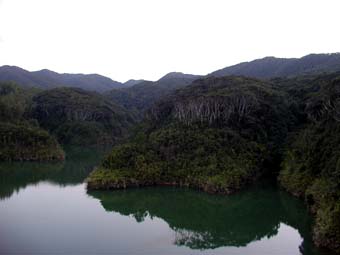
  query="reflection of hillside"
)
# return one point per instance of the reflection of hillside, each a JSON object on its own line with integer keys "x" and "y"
{"x": 200, "y": 220}
{"x": 203, "y": 221}
{"x": 79, "y": 162}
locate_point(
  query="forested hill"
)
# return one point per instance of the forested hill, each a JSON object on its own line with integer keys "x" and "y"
{"x": 216, "y": 134}
{"x": 21, "y": 137}
{"x": 76, "y": 116}
{"x": 270, "y": 67}
{"x": 46, "y": 79}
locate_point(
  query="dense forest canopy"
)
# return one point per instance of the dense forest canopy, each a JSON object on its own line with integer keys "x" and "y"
{"x": 311, "y": 164}
{"x": 216, "y": 134}
{"x": 21, "y": 137}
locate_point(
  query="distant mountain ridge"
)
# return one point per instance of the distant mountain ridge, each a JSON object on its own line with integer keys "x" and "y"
{"x": 144, "y": 94}
{"x": 270, "y": 67}
{"x": 265, "y": 68}
{"x": 176, "y": 80}
{"x": 46, "y": 79}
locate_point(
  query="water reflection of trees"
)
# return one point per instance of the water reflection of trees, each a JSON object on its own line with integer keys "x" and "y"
{"x": 203, "y": 221}
{"x": 79, "y": 162}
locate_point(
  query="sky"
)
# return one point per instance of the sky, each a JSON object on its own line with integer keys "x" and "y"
{"x": 145, "y": 39}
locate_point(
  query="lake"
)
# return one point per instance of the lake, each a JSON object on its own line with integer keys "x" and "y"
{"x": 46, "y": 209}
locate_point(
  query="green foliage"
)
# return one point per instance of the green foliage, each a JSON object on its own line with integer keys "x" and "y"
{"x": 250, "y": 106}
{"x": 23, "y": 142}
{"x": 82, "y": 133}
{"x": 310, "y": 167}
{"x": 79, "y": 117}
{"x": 13, "y": 102}
{"x": 311, "y": 170}
{"x": 327, "y": 227}
{"x": 20, "y": 137}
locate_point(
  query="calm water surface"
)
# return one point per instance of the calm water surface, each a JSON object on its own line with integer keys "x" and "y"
{"x": 45, "y": 209}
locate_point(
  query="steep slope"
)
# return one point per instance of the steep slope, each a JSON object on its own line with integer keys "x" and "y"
{"x": 46, "y": 79}
{"x": 270, "y": 67}
{"x": 311, "y": 165}
{"x": 141, "y": 96}
{"x": 77, "y": 116}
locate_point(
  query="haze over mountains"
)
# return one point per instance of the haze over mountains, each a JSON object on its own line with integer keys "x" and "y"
{"x": 268, "y": 67}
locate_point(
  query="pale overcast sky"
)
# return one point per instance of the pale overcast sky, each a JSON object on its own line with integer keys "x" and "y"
{"x": 146, "y": 39}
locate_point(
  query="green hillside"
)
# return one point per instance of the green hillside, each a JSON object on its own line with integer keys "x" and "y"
{"x": 76, "y": 116}
{"x": 311, "y": 165}
{"x": 21, "y": 138}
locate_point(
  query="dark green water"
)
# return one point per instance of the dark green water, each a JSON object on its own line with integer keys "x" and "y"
{"x": 45, "y": 209}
